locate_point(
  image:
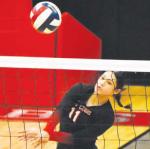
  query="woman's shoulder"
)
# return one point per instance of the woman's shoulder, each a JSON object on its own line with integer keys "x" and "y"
{"x": 109, "y": 111}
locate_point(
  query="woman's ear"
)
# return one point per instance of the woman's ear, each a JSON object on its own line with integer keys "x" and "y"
{"x": 117, "y": 91}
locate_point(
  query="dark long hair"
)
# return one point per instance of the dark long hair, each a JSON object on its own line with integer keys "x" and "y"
{"x": 120, "y": 76}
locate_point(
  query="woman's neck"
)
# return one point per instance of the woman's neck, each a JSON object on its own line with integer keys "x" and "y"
{"x": 102, "y": 99}
{"x": 97, "y": 100}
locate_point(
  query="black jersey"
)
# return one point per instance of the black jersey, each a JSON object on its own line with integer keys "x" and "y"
{"x": 83, "y": 122}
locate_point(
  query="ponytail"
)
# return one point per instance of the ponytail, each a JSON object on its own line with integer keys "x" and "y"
{"x": 120, "y": 84}
{"x": 117, "y": 98}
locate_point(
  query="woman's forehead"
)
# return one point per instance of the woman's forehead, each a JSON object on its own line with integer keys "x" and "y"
{"x": 109, "y": 75}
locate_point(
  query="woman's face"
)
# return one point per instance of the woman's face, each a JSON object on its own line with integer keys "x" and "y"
{"x": 106, "y": 84}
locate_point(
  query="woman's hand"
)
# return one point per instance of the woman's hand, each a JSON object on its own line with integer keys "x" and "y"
{"x": 36, "y": 136}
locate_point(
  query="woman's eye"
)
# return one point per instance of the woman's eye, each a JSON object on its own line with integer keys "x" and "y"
{"x": 102, "y": 78}
{"x": 109, "y": 82}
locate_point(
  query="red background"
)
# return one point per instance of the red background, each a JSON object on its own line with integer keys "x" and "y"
{"x": 18, "y": 38}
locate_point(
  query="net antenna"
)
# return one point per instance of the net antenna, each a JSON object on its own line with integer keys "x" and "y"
{"x": 75, "y": 64}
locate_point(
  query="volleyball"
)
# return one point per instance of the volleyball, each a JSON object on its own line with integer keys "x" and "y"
{"x": 45, "y": 17}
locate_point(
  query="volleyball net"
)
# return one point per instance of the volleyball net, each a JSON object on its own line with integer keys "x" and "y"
{"x": 31, "y": 88}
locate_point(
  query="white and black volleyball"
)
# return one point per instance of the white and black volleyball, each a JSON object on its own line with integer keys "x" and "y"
{"x": 45, "y": 17}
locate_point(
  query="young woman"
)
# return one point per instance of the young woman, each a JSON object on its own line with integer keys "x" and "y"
{"x": 84, "y": 113}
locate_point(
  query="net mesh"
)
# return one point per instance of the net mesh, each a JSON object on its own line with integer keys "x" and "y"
{"x": 32, "y": 88}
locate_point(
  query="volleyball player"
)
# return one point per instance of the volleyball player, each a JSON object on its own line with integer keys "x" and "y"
{"x": 84, "y": 113}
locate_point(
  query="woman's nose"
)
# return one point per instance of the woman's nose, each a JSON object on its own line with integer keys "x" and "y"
{"x": 101, "y": 83}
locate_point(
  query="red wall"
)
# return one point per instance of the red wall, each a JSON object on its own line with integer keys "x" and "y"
{"x": 16, "y": 33}
{"x": 18, "y": 38}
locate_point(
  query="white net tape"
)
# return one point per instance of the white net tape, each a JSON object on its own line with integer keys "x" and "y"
{"x": 75, "y": 64}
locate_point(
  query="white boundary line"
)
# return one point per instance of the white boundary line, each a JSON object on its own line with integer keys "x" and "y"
{"x": 74, "y": 64}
